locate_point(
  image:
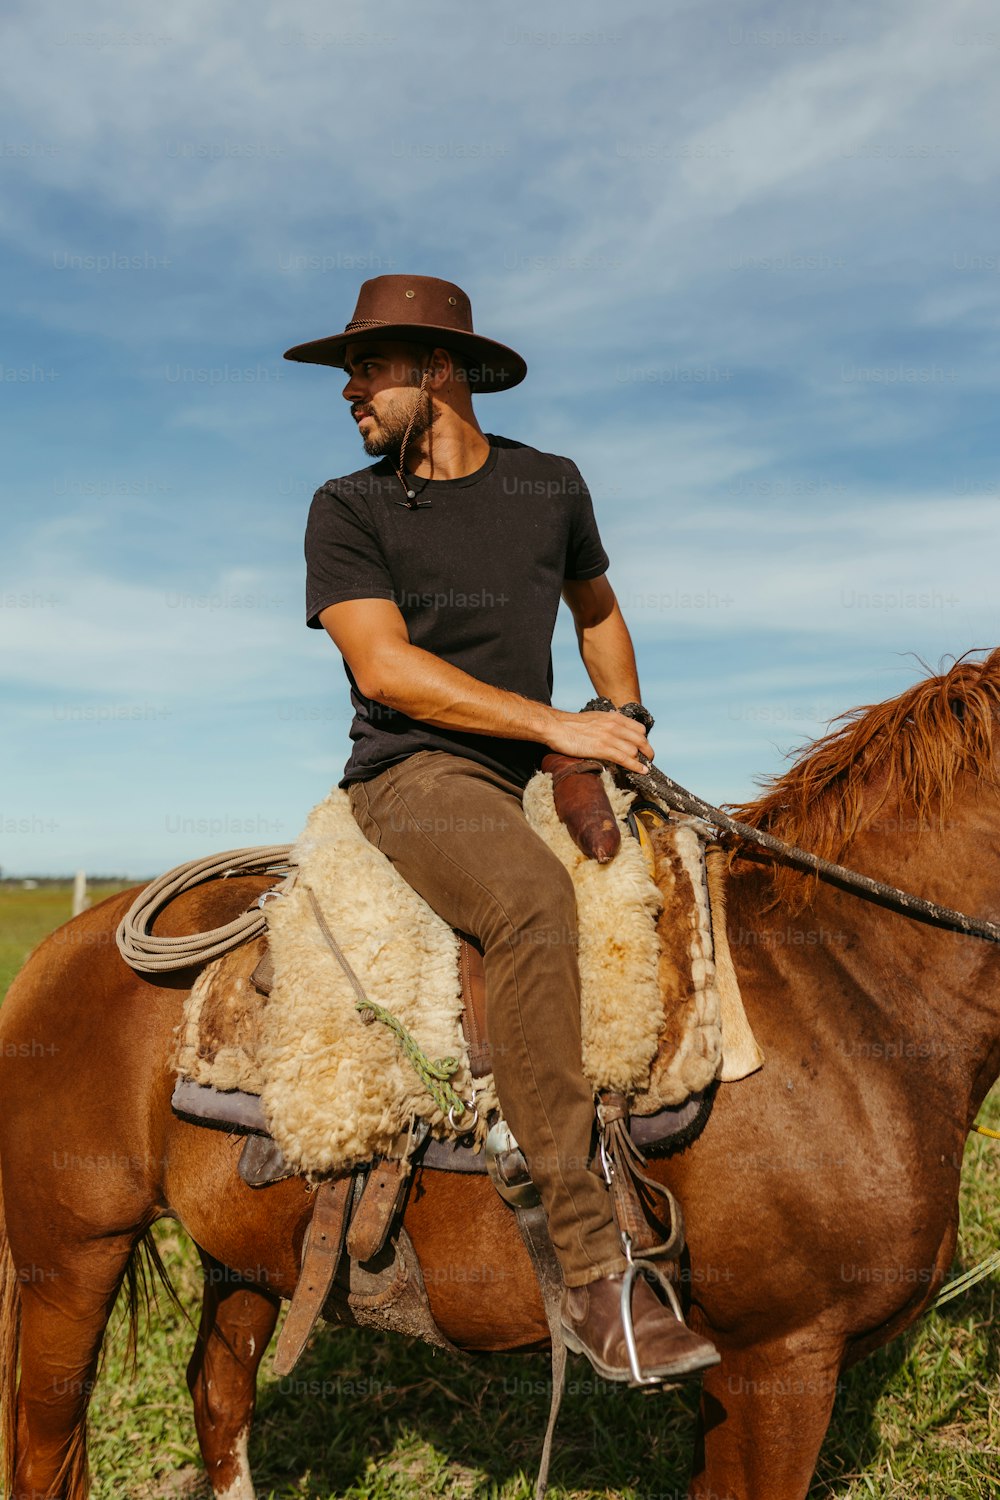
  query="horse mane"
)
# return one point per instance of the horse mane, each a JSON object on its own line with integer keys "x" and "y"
{"x": 909, "y": 750}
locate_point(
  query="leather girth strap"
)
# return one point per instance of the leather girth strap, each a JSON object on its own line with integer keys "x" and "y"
{"x": 320, "y": 1258}
{"x": 535, "y": 1233}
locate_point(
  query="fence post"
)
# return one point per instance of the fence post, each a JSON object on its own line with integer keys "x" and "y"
{"x": 80, "y": 899}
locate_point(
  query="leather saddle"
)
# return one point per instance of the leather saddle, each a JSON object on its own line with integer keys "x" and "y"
{"x": 364, "y": 1228}
{"x": 583, "y": 806}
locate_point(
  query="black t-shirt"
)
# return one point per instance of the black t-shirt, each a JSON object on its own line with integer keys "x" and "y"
{"x": 476, "y": 570}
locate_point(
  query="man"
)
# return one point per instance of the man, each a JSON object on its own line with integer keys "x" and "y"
{"x": 438, "y": 572}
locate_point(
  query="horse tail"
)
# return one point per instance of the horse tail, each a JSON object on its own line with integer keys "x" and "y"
{"x": 10, "y": 1348}
{"x": 145, "y": 1276}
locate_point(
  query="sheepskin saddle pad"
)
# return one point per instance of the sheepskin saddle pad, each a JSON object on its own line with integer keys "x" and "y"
{"x": 336, "y": 1091}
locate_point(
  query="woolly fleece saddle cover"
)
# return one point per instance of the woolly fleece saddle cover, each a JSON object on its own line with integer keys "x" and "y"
{"x": 336, "y": 1090}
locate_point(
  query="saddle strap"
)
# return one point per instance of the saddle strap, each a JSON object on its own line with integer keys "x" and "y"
{"x": 384, "y": 1195}
{"x": 637, "y": 1199}
{"x": 535, "y": 1233}
{"x": 262, "y": 977}
{"x": 473, "y": 976}
{"x": 570, "y": 765}
{"x": 320, "y": 1258}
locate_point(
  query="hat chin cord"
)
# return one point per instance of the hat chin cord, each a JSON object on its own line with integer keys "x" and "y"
{"x": 400, "y": 472}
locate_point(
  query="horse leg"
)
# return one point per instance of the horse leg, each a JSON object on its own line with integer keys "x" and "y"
{"x": 764, "y": 1413}
{"x": 237, "y": 1321}
{"x": 64, "y": 1312}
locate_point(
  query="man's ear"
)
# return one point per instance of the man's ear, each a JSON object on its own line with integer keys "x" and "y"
{"x": 442, "y": 369}
{"x": 448, "y": 373}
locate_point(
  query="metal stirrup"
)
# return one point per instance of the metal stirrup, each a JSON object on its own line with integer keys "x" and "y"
{"x": 634, "y": 1269}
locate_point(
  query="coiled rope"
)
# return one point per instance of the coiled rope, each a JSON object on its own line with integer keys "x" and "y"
{"x": 159, "y": 955}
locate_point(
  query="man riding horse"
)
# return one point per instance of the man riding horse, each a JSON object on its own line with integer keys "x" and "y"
{"x": 437, "y": 572}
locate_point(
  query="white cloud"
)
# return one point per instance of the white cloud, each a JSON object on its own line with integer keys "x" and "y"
{"x": 618, "y": 206}
{"x": 87, "y": 633}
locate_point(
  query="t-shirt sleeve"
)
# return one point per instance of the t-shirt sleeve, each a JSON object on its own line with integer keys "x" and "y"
{"x": 585, "y": 555}
{"x": 343, "y": 557}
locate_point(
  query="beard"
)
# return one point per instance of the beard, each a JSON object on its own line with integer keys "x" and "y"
{"x": 389, "y": 423}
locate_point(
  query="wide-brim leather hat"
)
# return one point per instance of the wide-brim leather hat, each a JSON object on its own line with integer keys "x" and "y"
{"x": 420, "y": 310}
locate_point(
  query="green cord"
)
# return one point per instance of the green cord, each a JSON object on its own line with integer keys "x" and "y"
{"x": 968, "y": 1279}
{"x": 977, "y": 1273}
{"x": 433, "y": 1076}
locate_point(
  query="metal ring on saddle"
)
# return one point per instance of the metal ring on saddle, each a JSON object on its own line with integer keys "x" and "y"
{"x": 465, "y": 1108}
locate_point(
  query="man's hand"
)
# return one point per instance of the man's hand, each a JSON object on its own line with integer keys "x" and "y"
{"x": 600, "y": 736}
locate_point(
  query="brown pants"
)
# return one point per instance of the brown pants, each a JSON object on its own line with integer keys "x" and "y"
{"x": 457, "y": 833}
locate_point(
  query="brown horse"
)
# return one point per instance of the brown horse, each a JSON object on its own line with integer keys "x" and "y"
{"x": 821, "y": 1199}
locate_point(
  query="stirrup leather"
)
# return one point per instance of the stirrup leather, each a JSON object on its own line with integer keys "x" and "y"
{"x": 636, "y": 1198}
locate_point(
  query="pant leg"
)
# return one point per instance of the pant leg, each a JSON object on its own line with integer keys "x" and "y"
{"x": 457, "y": 833}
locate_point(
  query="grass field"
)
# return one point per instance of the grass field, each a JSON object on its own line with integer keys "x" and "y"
{"x": 366, "y": 1417}
{"x": 26, "y": 917}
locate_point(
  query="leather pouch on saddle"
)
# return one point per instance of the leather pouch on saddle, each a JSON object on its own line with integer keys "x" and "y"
{"x": 582, "y": 804}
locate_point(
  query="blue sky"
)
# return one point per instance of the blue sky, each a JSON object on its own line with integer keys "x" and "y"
{"x": 751, "y": 255}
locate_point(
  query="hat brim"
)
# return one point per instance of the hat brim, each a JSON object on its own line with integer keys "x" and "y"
{"x": 490, "y": 366}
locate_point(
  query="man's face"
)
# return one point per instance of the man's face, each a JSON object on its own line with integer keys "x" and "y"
{"x": 383, "y": 388}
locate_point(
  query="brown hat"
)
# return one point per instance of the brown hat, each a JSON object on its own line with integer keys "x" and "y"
{"x": 420, "y": 310}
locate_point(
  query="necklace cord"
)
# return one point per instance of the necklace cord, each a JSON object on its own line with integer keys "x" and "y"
{"x": 401, "y": 471}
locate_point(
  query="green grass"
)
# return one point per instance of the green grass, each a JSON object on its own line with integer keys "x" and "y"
{"x": 366, "y": 1417}
{"x": 26, "y": 917}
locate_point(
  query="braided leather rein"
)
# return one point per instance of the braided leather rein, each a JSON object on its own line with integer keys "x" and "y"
{"x": 653, "y": 783}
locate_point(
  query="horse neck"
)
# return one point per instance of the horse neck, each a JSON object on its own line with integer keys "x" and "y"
{"x": 871, "y": 982}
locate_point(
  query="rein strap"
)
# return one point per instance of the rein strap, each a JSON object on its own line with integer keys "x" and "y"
{"x": 653, "y": 783}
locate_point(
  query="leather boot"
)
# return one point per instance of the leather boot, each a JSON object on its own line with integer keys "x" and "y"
{"x": 667, "y": 1349}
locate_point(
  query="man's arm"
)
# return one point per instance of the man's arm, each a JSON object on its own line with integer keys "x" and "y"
{"x": 371, "y": 636}
{"x": 605, "y": 644}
